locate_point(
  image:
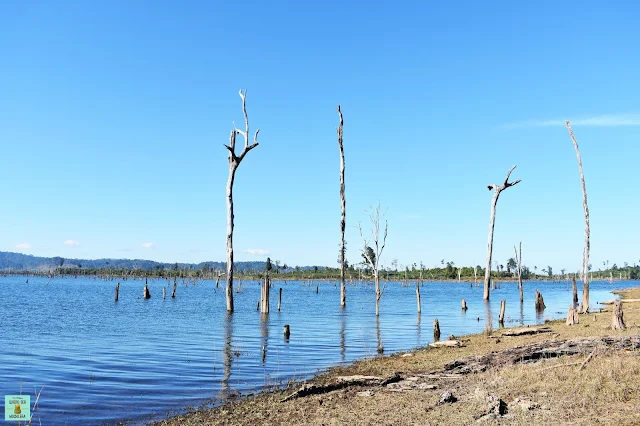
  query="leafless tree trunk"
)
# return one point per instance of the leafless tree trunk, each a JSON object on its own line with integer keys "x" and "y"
{"x": 234, "y": 162}
{"x": 503, "y": 307}
{"x": 519, "y": 270}
{"x": 264, "y": 296}
{"x": 117, "y": 290}
{"x": 418, "y": 297}
{"x": 585, "y": 257}
{"x": 475, "y": 274}
{"x": 374, "y": 216}
{"x": 343, "y": 204}
{"x": 497, "y": 189}
{"x": 539, "y": 302}
{"x": 464, "y": 305}
{"x": 575, "y": 292}
{"x": 617, "y": 317}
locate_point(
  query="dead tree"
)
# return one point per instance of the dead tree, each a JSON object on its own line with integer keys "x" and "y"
{"x": 503, "y": 306}
{"x": 145, "y": 292}
{"x": 436, "y": 330}
{"x": 497, "y": 189}
{"x": 264, "y": 295}
{"x": 117, "y": 290}
{"x": 617, "y": 317}
{"x": 418, "y": 297}
{"x": 175, "y": 285}
{"x": 585, "y": 255}
{"x": 575, "y": 291}
{"x": 519, "y": 270}
{"x": 343, "y": 218}
{"x": 234, "y": 162}
{"x": 374, "y": 216}
{"x": 464, "y": 305}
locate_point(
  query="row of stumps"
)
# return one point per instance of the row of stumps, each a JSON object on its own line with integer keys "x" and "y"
{"x": 146, "y": 294}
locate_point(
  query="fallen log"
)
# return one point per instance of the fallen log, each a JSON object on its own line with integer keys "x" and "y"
{"x": 526, "y": 331}
{"x": 341, "y": 383}
{"x": 446, "y": 343}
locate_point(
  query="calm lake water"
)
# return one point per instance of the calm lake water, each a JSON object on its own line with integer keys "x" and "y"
{"x": 102, "y": 362}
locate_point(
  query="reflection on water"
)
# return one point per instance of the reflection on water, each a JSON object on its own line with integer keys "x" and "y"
{"x": 102, "y": 361}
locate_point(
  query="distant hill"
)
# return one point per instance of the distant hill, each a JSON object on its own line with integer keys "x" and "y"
{"x": 27, "y": 262}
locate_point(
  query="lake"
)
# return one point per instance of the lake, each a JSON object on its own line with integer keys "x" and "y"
{"x": 102, "y": 361}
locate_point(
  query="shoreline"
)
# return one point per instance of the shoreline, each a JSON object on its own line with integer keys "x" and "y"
{"x": 339, "y": 405}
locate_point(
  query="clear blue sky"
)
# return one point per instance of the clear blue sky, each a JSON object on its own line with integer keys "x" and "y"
{"x": 113, "y": 117}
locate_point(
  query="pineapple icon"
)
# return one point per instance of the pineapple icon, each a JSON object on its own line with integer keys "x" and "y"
{"x": 17, "y": 409}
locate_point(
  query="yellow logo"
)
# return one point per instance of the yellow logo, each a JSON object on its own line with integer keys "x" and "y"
{"x": 17, "y": 410}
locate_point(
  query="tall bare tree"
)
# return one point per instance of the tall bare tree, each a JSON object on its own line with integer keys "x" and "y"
{"x": 234, "y": 162}
{"x": 584, "y": 308}
{"x": 343, "y": 218}
{"x": 497, "y": 189}
{"x": 519, "y": 269}
{"x": 374, "y": 240}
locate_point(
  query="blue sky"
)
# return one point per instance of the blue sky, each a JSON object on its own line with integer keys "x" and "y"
{"x": 113, "y": 117}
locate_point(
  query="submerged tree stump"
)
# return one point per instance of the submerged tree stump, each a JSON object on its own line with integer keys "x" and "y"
{"x": 280, "y": 299}
{"x": 464, "y": 305}
{"x": 418, "y": 297}
{"x": 164, "y": 293}
{"x": 145, "y": 292}
{"x": 572, "y": 316}
{"x": 617, "y": 317}
{"x": 539, "y": 302}
{"x": 503, "y": 306}
{"x": 175, "y": 285}
{"x": 264, "y": 298}
{"x": 117, "y": 290}
{"x": 287, "y": 331}
{"x": 575, "y": 292}
{"x": 436, "y": 330}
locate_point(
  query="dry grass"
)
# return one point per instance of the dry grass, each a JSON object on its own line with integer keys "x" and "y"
{"x": 607, "y": 391}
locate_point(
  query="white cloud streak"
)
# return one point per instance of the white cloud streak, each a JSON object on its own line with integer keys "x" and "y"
{"x": 71, "y": 243}
{"x": 257, "y": 252}
{"x": 607, "y": 120}
{"x": 23, "y": 246}
{"x": 147, "y": 245}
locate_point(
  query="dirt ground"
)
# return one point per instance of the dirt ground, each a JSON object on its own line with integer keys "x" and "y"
{"x": 585, "y": 374}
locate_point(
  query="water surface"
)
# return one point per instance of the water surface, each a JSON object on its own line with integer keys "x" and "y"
{"x": 102, "y": 361}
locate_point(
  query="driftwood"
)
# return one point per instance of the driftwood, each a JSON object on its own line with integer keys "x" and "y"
{"x": 538, "y": 351}
{"x": 572, "y": 316}
{"x": 585, "y": 254}
{"x": 526, "y": 331}
{"x": 341, "y": 383}
{"x": 497, "y": 189}
{"x": 586, "y": 360}
{"x": 446, "y": 343}
{"x": 617, "y": 316}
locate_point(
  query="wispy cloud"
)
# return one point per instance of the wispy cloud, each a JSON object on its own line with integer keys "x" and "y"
{"x": 607, "y": 120}
{"x": 147, "y": 245}
{"x": 23, "y": 246}
{"x": 257, "y": 252}
{"x": 71, "y": 243}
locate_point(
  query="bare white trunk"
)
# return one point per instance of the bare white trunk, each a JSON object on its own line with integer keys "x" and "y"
{"x": 497, "y": 189}
{"x": 418, "y": 297}
{"x": 585, "y": 258}
{"x": 343, "y": 219}
{"x": 519, "y": 260}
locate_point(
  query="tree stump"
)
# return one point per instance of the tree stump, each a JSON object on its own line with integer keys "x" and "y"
{"x": 503, "y": 306}
{"x": 287, "y": 331}
{"x": 575, "y": 292}
{"x": 175, "y": 285}
{"x": 280, "y": 299}
{"x": 617, "y": 317}
{"x": 539, "y": 302}
{"x": 164, "y": 293}
{"x": 436, "y": 330}
{"x": 264, "y": 298}
{"x": 145, "y": 292}
{"x": 418, "y": 297}
{"x": 464, "y": 305}
{"x": 117, "y": 290}
{"x": 572, "y": 316}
